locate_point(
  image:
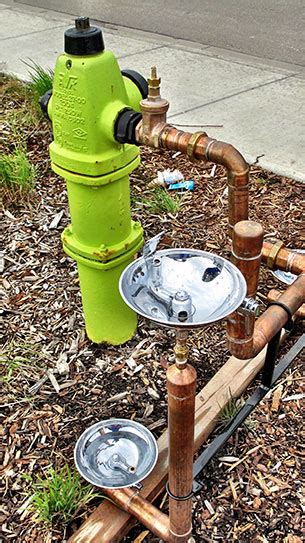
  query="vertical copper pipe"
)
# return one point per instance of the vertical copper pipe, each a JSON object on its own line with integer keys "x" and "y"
{"x": 181, "y": 387}
{"x": 130, "y": 500}
{"x": 278, "y": 257}
{"x": 246, "y": 255}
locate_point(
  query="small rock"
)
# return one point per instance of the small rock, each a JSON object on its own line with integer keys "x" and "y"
{"x": 153, "y": 393}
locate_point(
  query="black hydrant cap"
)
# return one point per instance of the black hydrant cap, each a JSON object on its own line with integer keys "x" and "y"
{"x": 83, "y": 39}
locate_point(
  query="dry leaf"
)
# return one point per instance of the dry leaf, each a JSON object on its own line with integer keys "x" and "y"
{"x": 56, "y": 220}
{"x": 276, "y": 398}
{"x": 141, "y": 537}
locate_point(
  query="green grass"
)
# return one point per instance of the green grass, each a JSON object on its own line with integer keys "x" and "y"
{"x": 13, "y": 365}
{"x": 21, "y": 357}
{"x": 16, "y": 172}
{"x": 20, "y": 119}
{"x": 41, "y": 80}
{"x": 20, "y": 112}
{"x": 60, "y": 495}
{"x": 162, "y": 202}
{"x": 9, "y": 369}
{"x": 12, "y": 88}
{"x": 231, "y": 409}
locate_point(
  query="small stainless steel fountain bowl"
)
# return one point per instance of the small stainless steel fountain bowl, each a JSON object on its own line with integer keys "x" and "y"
{"x": 115, "y": 453}
{"x": 183, "y": 288}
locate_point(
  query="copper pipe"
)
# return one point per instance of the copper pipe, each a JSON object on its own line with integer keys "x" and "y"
{"x": 278, "y": 257}
{"x": 131, "y": 501}
{"x": 181, "y": 387}
{"x": 238, "y": 179}
{"x": 274, "y": 295}
{"x": 154, "y": 131}
{"x": 246, "y": 255}
{"x": 275, "y": 317}
{"x": 218, "y": 152}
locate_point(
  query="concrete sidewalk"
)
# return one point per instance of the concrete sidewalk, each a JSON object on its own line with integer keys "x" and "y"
{"x": 259, "y": 103}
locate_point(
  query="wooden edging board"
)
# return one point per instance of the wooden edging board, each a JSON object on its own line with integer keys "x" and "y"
{"x": 108, "y": 523}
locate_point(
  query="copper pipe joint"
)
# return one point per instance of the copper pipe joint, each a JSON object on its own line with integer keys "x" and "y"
{"x": 130, "y": 500}
{"x": 275, "y": 317}
{"x": 274, "y": 295}
{"x": 247, "y": 243}
{"x": 181, "y": 387}
{"x": 154, "y": 131}
{"x": 275, "y": 256}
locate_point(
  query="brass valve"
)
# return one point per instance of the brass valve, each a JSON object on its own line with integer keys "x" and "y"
{"x": 153, "y": 109}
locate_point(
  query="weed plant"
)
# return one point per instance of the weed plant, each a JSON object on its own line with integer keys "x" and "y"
{"x": 21, "y": 359}
{"x": 60, "y": 495}
{"x": 230, "y": 410}
{"x": 162, "y": 202}
{"x": 16, "y": 171}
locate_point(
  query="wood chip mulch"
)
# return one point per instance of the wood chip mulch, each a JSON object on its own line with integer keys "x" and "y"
{"x": 56, "y": 382}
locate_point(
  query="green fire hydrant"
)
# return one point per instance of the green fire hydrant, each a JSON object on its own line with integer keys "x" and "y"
{"x": 91, "y": 102}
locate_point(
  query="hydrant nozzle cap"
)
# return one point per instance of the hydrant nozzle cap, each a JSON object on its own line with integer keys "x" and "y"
{"x": 83, "y": 39}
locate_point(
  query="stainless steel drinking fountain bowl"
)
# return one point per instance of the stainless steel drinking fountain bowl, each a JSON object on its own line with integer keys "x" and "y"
{"x": 182, "y": 288}
{"x": 116, "y": 453}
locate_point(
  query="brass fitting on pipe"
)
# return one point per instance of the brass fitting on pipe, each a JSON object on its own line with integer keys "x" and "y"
{"x": 246, "y": 255}
{"x": 276, "y": 256}
{"x": 153, "y": 109}
{"x": 181, "y": 349}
